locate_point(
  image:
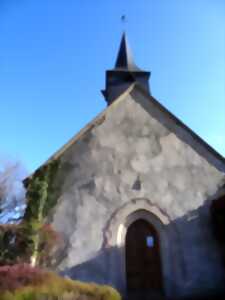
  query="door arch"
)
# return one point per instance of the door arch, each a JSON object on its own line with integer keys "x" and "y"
{"x": 143, "y": 263}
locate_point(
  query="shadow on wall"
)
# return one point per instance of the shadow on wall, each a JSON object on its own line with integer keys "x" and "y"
{"x": 97, "y": 269}
{"x": 194, "y": 250}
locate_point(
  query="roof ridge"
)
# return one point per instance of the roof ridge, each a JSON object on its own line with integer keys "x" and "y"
{"x": 98, "y": 120}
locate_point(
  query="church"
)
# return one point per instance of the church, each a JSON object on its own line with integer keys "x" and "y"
{"x": 137, "y": 195}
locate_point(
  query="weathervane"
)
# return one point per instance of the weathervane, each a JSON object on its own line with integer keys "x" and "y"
{"x": 123, "y": 20}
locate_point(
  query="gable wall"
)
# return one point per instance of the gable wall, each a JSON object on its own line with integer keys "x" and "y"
{"x": 100, "y": 175}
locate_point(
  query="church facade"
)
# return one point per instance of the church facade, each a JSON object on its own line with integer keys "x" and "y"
{"x": 136, "y": 189}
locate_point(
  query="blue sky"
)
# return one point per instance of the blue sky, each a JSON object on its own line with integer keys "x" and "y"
{"x": 54, "y": 53}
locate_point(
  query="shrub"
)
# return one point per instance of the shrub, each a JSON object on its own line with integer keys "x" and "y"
{"x": 49, "y": 242}
{"x": 16, "y": 243}
{"x": 12, "y": 244}
{"x": 22, "y": 282}
{"x": 20, "y": 275}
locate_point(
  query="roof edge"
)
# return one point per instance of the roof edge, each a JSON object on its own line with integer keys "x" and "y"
{"x": 98, "y": 120}
{"x": 175, "y": 119}
{"x": 95, "y": 122}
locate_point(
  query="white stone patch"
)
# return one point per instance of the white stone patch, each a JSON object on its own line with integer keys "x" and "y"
{"x": 140, "y": 164}
{"x": 181, "y": 179}
{"x": 145, "y": 130}
{"x": 167, "y": 198}
{"x": 143, "y": 145}
{"x": 110, "y": 189}
{"x": 172, "y": 155}
{"x": 87, "y": 237}
{"x": 158, "y": 163}
{"x": 63, "y": 220}
{"x": 128, "y": 177}
{"x": 192, "y": 156}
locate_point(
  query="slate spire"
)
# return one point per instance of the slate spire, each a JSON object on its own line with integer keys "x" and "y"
{"x": 124, "y": 74}
{"x": 125, "y": 58}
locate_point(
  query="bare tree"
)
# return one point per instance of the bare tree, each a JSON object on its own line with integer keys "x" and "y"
{"x": 12, "y": 192}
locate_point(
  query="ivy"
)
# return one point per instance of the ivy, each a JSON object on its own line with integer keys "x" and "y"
{"x": 40, "y": 197}
{"x": 40, "y": 192}
{"x": 32, "y": 239}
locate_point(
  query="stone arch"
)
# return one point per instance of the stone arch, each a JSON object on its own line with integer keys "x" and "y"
{"x": 115, "y": 235}
{"x": 125, "y": 215}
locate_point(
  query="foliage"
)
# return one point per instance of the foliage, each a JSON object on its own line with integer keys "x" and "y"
{"x": 48, "y": 239}
{"x": 40, "y": 201}
{"x": 16, "y": 245}
{"x": 11, "y": 244}
{"x": 19, "y": 275}
{"x": 32, "y": 239}
{"x": 39, "y": 191}
{"x": 23, "y": 282}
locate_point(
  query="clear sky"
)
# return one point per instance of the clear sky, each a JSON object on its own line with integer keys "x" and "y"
{"x": 54, "y": 53}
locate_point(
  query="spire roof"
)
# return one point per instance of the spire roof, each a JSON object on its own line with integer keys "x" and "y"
{"x": 125, "y": 59}
{"x": 124, "y": 74}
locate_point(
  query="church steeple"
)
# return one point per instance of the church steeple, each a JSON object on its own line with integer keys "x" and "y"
{"x": 124, "y": 73}
{"x": 125, "y": 58}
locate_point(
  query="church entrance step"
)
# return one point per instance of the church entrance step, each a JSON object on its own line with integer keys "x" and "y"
{"x": 144, "y": 296}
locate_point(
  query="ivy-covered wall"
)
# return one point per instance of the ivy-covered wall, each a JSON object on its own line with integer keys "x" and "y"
{"x": 32, "y": 239}
{"x": 40, "y": 202}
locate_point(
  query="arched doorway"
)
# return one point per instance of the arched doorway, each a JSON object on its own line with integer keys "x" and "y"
{"x": 143, "y": 263}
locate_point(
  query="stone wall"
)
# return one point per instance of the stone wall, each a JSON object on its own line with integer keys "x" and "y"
{"x": 130, "y": 162}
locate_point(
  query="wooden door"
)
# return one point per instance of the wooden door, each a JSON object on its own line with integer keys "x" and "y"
{"x": 143, "y": 265}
